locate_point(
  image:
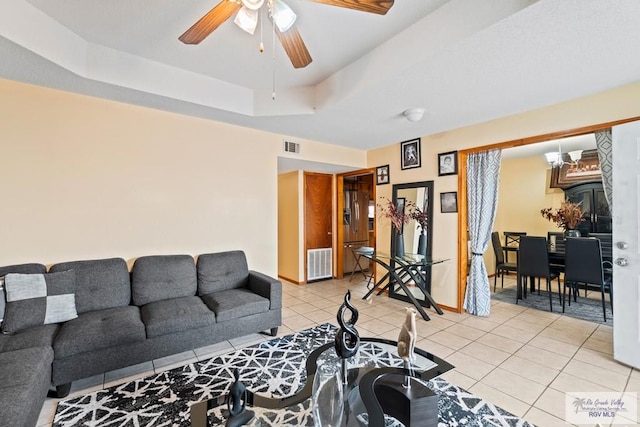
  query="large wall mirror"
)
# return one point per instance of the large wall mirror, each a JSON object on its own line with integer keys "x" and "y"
{"x": 414, "y": 238}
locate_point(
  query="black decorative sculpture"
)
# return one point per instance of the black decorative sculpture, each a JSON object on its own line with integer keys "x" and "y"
{"x": 347, "y": 338}
{"x": 236, "y": 403}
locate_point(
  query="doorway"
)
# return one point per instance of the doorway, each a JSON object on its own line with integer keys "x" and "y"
{"x": 355, "y": 218}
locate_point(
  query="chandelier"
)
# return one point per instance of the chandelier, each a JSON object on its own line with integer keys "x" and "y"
{"x": 556, "y": 158}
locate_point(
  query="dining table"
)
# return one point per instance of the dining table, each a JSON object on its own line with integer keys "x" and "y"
{"x": 556, "y": 252}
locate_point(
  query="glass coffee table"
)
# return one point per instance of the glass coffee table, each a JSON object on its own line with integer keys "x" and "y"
{"x": 370, "y": 373}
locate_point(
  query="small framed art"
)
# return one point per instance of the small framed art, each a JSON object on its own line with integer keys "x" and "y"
{"x": 449, "y": 202}
{"x": 382, "y": 175}
{"x": 410, "y": 154}
{"x": 448, "y": 163}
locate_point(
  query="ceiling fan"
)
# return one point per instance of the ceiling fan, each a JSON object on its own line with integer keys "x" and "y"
{"x": 282, "y": 16}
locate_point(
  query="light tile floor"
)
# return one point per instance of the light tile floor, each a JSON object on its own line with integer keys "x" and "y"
{"x": 521, "y": 359}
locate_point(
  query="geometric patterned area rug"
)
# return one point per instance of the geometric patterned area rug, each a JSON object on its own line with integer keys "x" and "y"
{"x": 275, "y": 368}
{"x": 589, "y": 309}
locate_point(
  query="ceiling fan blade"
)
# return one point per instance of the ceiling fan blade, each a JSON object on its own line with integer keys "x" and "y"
{"x": 209, "y": 22}
{"x": 293, "y": 44}
{"x": 381, "y": 7}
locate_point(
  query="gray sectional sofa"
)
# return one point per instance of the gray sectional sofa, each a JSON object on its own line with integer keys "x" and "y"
{"x": 165, "y": 305}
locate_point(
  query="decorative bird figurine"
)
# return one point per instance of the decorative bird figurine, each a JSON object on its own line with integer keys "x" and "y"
{"x": 408, "y": 335}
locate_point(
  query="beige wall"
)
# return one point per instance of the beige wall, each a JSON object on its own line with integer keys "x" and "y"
{"x": 289, "y": 196}
{"x": 524, "y": 190}
{"x": 619, "y": 103}
{"x": 87, "y": 178}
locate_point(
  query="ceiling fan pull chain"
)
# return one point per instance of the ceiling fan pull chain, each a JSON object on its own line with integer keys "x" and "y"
{"x": 261, "y": 17}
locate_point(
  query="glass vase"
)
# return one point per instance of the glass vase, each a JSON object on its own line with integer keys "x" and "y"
{"x": 327, "y": 398}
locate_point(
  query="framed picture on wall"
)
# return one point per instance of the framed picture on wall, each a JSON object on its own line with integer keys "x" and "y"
{"x": 410, "y": 154}
{"x": 382, "y": 175}
{"x": 584, "y": 170}
{"x": 449, "y": 202}
{"x": 448, "y": 163}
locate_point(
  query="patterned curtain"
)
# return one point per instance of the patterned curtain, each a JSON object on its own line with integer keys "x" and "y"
{"x": 603, "y": 143}
{"x": 483, "y": 174}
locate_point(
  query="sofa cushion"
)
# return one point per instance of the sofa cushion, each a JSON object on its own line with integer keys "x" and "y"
{"x": 100, "y": 329}
{"x": 176, "y": 315}
{"x": 38, "y": 299}
{"x": 102, "y": 283}
{"x": 19, "y": 268}
{"x": 161, "y": 277}
{"x": 235, "y": 303}
{"x": 24, "y": 381}
{"x": 222, "y": 271}
{"x": 38, "y": 336}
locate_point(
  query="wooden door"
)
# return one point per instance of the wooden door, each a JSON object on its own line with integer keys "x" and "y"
{"x": 318, "y": 210}
{"x": 626, "y": 243}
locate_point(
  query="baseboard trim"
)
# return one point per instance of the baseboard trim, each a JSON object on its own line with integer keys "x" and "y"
{"x": 295, "y": 282}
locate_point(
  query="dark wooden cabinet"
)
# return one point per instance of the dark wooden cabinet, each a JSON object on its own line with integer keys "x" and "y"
{"x": 597, "y": 217}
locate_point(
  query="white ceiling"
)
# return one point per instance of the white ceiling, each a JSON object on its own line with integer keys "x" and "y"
{"x": 464, "y": 61}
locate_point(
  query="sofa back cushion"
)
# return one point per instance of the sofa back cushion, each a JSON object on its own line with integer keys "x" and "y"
{"x": 161, "y": 277}
{"x": 222, "y": 271}
{"x": 20, "y": 268}
{"x": 100, "y": 284}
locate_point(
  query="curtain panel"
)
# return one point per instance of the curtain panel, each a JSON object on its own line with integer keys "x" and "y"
{"x": 604, "y": 144}
{"x": 483, "y": 175}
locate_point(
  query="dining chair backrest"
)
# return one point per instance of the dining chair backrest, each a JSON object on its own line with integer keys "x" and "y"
{"x": 533, "y": 258}
{"x": 606, "y": 244}
{"x": 512, "y": 238}
{"x": 583, "y": 260}
{"x": 497, "y": 247}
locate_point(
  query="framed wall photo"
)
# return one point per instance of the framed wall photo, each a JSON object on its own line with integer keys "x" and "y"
{"x": 410, "y": 154}
{"x": 449, "y": 202}
{"x": 585, "y": 170}
{"x": 382, "y": 175}
{"x": 448, "y": 163}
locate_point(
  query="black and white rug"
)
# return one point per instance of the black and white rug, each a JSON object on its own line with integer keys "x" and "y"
{"x": 274, "y": 368}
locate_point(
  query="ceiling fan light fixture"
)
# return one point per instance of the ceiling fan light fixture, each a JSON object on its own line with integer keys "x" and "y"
{"x": 414, "y": 114}
{"x": 282, "y": 15}
{"x": 247, "y": 19}
{"x": 253, "y": 4}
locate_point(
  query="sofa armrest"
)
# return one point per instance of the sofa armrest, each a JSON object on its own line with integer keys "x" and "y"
{"x": 266, "y": 287}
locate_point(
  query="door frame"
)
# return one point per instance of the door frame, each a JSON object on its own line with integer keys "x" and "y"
{"x": 462, "y": 188}
{"x": 339, "y": 271}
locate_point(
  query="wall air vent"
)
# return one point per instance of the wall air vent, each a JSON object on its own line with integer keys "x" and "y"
{"x": 291, "y": 147}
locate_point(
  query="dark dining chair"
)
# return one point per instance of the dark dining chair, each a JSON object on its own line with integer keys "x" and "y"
{"x": 606, "y": 244}
{"x": 511, "y": 242}
{"x": 533, "y": 261}
{"x": 584, "y": 265}
{"x": 502, "y": 266}
{"x": 557, "y": 262}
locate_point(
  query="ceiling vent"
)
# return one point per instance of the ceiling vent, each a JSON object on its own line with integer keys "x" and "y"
{"x": 291, "y": 147}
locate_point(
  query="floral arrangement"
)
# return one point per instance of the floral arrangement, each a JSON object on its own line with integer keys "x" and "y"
{"x": 419, "y": 216}
{"x": 567, "y": 216}
{"x": 397, "y": 216}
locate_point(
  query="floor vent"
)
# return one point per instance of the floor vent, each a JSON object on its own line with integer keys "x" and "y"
{"x": 291, "y": 147}
{"x": 319, "y": 264}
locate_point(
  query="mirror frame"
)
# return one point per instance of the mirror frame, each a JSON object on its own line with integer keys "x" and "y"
{"x": 428, "y": 185}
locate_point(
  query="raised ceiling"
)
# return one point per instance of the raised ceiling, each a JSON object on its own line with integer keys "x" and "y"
{"x": 464, "y": 61}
